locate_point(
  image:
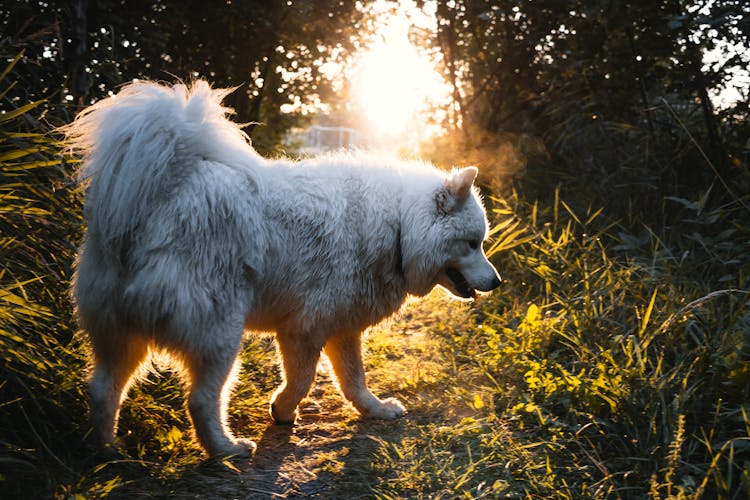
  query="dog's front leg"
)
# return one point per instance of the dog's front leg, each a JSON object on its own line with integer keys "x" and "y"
{"x": 345, "y": 354}
{"x": 299, "y": 359}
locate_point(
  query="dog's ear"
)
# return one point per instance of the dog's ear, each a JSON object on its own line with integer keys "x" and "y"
{"x": 460, "y": 182}
{"x": 457, "y": 189}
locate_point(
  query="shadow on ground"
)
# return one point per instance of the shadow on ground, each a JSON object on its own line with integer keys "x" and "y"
{"x": 329, "y": 453}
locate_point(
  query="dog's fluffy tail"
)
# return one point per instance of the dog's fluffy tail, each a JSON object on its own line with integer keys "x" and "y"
{"x": 137, "y": 144}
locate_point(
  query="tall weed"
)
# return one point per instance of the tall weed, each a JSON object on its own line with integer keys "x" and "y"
{"x": 42, "y": 358}
{"x": 622, "y": 355}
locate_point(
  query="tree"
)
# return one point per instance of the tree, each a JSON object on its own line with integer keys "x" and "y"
{"x": 270, "y": 50}
{"x": 580, "y": 74}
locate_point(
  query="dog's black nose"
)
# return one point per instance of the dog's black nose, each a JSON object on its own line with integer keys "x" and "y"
{"x": 490, "y": 285}
{"x": 495, "y": 283}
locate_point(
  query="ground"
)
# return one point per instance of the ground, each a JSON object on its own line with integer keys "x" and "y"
{"x": 330, "y": 452}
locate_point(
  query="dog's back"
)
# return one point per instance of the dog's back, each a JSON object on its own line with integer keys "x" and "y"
{"x": 142, "y": 149}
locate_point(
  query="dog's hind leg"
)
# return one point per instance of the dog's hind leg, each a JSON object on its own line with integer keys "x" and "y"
{"x": 117, "y": 355}
{"x": 211, "y": 375}
{"x": 345, "y": 354}
{"x": 299, "y": 359}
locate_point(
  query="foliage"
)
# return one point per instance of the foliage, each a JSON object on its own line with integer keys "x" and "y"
{"x": 40, "y": 376}
{"x": 77, "y": 52}
{"x": 595, "y": 81}
{"x": 618, "y": 354}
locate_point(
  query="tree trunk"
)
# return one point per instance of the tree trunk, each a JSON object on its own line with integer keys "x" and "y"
{"x": 77, "y": 73}
{"x": 447, "y": 40}
{"x": 716, "y": 148}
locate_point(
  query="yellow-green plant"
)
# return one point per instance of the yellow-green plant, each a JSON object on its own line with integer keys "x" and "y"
{"x": 42, "y": 360}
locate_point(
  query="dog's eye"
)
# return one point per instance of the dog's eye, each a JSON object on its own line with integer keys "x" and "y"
{"x": 474, "y": 244}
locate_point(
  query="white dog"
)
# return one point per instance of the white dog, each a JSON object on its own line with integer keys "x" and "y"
{"x": 194, "y": 238}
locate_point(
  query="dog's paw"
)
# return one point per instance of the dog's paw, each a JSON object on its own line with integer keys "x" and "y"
{"x": 388, "y": 409}
{"x": 241, "y": 448}
{"x": 280, "y": 419}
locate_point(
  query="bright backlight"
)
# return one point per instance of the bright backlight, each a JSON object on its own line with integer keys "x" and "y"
{"x": 395, "y": 84}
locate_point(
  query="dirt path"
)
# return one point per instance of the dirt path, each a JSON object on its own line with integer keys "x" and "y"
{"x": 326, "y": 452}
{"x": 330, "y": 452}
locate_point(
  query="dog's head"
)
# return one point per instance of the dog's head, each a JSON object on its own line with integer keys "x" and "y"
{"x": 442, "y": 245}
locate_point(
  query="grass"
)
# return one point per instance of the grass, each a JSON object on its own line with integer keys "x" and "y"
{"x": 41, "y": 391}
{"x": 614, "y": 362}
{"x": 629, "y": 367}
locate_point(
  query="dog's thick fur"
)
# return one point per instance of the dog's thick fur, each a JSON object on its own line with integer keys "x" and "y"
{"x": 194, "y": 238}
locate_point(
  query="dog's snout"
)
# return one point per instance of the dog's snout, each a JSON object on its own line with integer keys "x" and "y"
{"x": 489, "y": 284}
{"x": 494, "y": 283}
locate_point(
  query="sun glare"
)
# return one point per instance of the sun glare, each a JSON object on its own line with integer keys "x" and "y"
{"x": 395, "y": 83}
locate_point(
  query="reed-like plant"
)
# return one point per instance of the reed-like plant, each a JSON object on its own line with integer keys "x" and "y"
{"x": 42, "y": 357}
